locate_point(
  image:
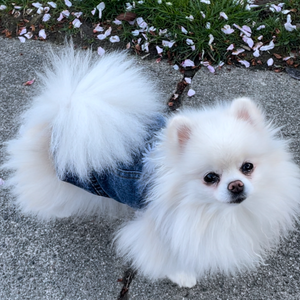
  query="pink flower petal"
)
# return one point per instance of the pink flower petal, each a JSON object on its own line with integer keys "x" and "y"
{"x": 188, "y": 80}
{"x": 23, "y": 31}
{"x": 29, "y": 35}
{"x": 288, "y": 25}
{"x": 40, "y": 10}
{"x": 100, "y": 51}
{"x": 22, "y": 39}
{"x": 231, "y": 47}
{"x": 117, "y": 22}
{"x": 159, "y": 50}
{"x": 223, "y": 15}
{"x": 227, "y": 29}
{"x": 168, "y": 43}
{"x": 211, "y": 69}
{"x": 61, "y": 16}
{"x": 238, "y": 51}
{"x": 108, "y": 31}
{"x": 30, "y": 82}
{"x": 248, "y": 40}
{"x": 256, "y": 53}
{"x": 188, "y": 63}
{"x": 101, "y": 36}
{"x": 260, "y": 27}
{"x": 257, "y": 45}
{"x": 242, "y": 30}
{"x": 98, "y": 28}
{"x": 42, "y": 34}
{"x": 68, "y": 3}
{"x": 66, "y": 13}
{"x": 191, "y": 92}
{"x": 245, "y": 63}
{"x": 114, "y": 39}
{"x": 37, "y": 4}
{"x": 270, "y": 62}
{"x": 77, "y": 14}
{"x": 52, "y": 4}
{"x": 247, "y": 28}
{"x": 183, "y": 30}
{"x": 142, "y": 24}
{"x": 46, "y": 17}
{"x": 76, "y": 23}
{"x": 267, "y": 47}
{"x": 189, "y": 42}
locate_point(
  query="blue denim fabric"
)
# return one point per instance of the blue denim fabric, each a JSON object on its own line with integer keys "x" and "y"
{"x": 122, "y": 183}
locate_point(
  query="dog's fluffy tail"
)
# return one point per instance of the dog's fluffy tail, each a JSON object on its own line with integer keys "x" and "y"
{"x": 90, "y": 113}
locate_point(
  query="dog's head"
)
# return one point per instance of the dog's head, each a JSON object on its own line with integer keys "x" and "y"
{"x": 224, "y": 154}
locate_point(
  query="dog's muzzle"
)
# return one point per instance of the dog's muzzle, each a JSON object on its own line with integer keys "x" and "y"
{"x": 236, "y": 189}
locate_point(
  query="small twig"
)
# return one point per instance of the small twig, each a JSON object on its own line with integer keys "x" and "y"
{"x": 126, "y": 280}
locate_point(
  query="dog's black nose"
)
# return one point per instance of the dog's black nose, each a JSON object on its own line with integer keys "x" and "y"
{"x": 236, "y": 187}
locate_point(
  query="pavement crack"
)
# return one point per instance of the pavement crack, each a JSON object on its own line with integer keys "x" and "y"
{"x": 175, "y": 100}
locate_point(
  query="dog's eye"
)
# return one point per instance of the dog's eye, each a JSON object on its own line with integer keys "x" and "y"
{"x": 212, "y": 178}
{"x": 247, "y": 168}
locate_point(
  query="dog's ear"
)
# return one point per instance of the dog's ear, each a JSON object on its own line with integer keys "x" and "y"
{"x": 179, "y": 131}
{"x": 245, "y": 109}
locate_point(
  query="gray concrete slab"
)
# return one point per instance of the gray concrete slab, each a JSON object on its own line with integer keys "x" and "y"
{"x": 74, "y": 259}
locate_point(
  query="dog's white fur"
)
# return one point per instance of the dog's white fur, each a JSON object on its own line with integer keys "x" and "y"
{"x": 91, "y": 114}
{"x": 188, "y": 228}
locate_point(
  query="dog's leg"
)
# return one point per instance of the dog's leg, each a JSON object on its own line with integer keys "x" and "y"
{"x": 183, "y": 279}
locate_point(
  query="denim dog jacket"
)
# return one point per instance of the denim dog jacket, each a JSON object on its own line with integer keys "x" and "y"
{"x": 123, "y": 183}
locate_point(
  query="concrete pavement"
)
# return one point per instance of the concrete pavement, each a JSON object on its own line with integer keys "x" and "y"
{"x": 74, "y": 259}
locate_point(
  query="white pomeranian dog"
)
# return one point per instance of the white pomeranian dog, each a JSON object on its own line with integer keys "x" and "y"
{"x": 214, "y": 189}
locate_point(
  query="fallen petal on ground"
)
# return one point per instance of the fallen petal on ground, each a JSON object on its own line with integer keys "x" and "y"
{"x": 227, "y": 29}
{"x": 159, "y": 50}
{"x": 231, "y": 47}
{"x": 270, "y": 62}
{"x": 245, "y": 63}
{"x": 42, "y": 34}
{"x": 267, "y": 47}
{"x": 223, "y": 15}
{"x": 211, "y": 69}
{"x": 114, "y": 39}
{"x": 52, "y": 4}
{"x": 238, "y": 51}
{"x": 30, "y": 82}
{"x": 191, "y": 92}
{"x": 98, "y": 28}
{"x": 29, "y": 35}
{"x": 188, "y": 80}
{"x": 46, "y": 17}
{"x": 288, "y": 25}
{"x": 188, "y": 63}
{"x": 68, "y": 3}
{"x": 183, "y": 30}
{"x": 100, "y": 51}
{"x": 76, "y": 23}
{"x": 22, "y": 39}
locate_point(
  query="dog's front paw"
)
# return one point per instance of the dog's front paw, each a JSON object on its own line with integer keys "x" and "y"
{"x": 183, "y": 279}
